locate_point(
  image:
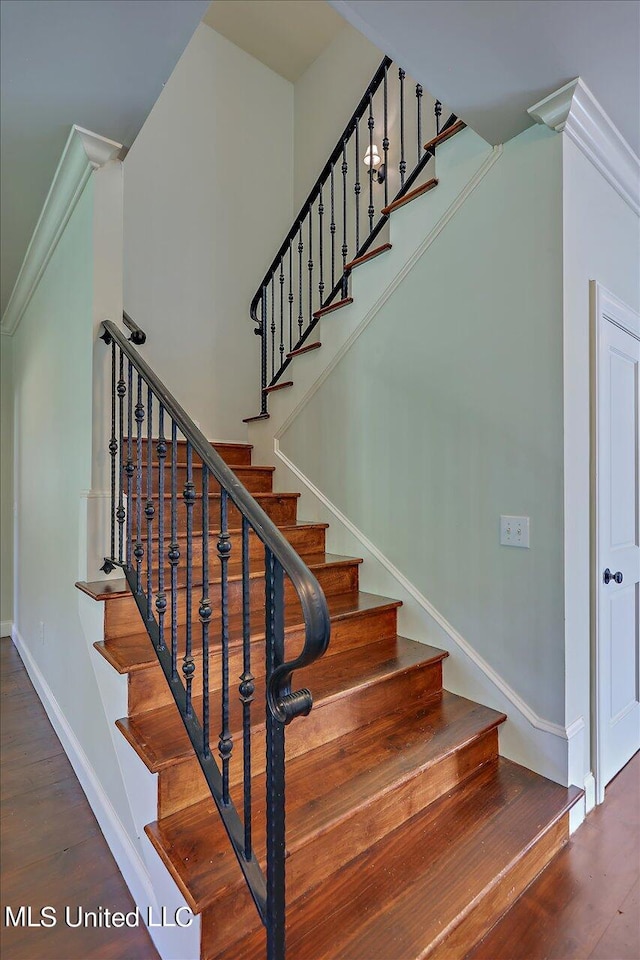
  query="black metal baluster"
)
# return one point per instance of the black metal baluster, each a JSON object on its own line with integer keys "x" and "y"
{"x": 321, "y": 246}
{"x": 403, "y": 162}
{"x": 161, "y": 597}
{"x": 139, "y": 549}
{"x": 247, "y": 688}
{"x": 120, "y": 512}
{"x": 345, "y": 246}
{"x": 290, "y": 297}
{"x": 174, "y": 551}
{"x": 419, "y": 117}
{"x": 357, "y": 187}
{"x": 264, "y": 361}
{"x": 113, "y": 451}
{"x": 205, "y": 611}
{"x": 310, "y": 267}
{"x": 273, "y": 332}
{"x": 332, "y": 230}
{"x": 437, "y": 109}
{"x": 385, "y": 138}
{"x": 370, "y": 125}
{"x": 274, "y": 596}
{"x": 129, "y": 469}
{"x": 188, "y": 666}
{"x": 225, "y": 743}
{"x": 149, "y": 509}
{"x": 300, "y": 314}
{"x": 281, "y": 279}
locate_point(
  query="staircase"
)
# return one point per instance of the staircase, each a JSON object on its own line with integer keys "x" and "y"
{"x": 407, "y": 835}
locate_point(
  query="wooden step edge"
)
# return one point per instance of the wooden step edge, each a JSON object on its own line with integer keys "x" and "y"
{"x": 408, "y": 197}
{"x": 445, "y": 135}
{"x": 257, "y": 495}
{"x": 277, "y": 386}
{"x": 309, "y": 830}
{"x": 258, "y": 416}
{"x": 158, "y": 846}
{"x": 357, "y": 686}
{"x": 236, "y": 531}
{"x": 369, "y": 255}
{"x": 259, "y": 468}
{"x": 306, "y": 349}
{"x": 490, "y": 904}
{"x": 108, "y": 648}
{"x": 332, "y": 306}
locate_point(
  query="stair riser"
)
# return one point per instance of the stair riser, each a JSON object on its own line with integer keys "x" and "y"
{"x": 232, "y": 455}
{"x": 254, "y": 479}
{"x": 303, "y": 539}
{"x": 122, "y": 617}
{"x": 320, "y": 857}
{"x": 282, "y": 510}
{"x": 149, "y": 689}
{"x": 482, "y": 917}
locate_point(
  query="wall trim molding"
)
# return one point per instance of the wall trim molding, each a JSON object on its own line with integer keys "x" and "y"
{"x": 6, "y": 628}
{"x": 546, "y": 726}
{"x": 83, "y": 153}
{"x": 574, "y": 110}
{"x": 125, "y": 854}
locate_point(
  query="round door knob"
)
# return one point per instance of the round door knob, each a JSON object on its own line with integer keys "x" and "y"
{"x": 608, "y": 576}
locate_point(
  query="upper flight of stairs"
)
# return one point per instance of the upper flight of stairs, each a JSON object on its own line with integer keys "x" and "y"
{"x": 407, "y": 835}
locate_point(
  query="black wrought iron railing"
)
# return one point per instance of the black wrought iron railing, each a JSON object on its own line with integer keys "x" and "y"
{"x": 161, "y": 539}
{"x": 333, "y": 228}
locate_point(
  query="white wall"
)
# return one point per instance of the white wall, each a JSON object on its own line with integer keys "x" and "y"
{"x": 6, "y": 485}
{"x": 447, "y": 412}
{"x": 325, "y": 97}
{"x": 601, "y": 242}
{"x": 208, "y": 197}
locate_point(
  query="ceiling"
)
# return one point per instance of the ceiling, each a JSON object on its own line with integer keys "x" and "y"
{"x": 98, "y": 63}
{"x": 285, "y": 35}
{"x": 489, "y": 60}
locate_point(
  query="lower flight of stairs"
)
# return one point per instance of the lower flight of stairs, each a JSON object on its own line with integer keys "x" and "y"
{"x": 407, "y": 835}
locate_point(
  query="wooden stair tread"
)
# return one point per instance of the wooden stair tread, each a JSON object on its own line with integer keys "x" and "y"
{"x": 244, "y": 467}
{"x": 369, "y": 255}
{"x": 237, "y": 531}
{"x": 336, "y": 305}
{"x": 411, "y": 195}
{"x": 307, "y": 348}
{"x": 159, "y": 738}
{"x": 134, "y": 651}
{"x": 277, "y": 386}
{"x": 355, "y": 769}
{"x": 445, "y": 135}
{"x": 258, "y": 416}
{"x": 259, "y": 496}
{"x": 406, "y": 894}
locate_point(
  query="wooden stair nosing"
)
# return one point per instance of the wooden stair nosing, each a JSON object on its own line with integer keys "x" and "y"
{"x": 425, "y": 889}
{"x": 369, "y": 255}
{"x": 159, "y": 738}
{"x": 258, "y": 416}
{"x": 277, "y": 386}
{"x": 353, "y": 780}
{"x": 336, "y": 305}
{"x": 411, "y": 195}
{"x": 445, "y": 135}
{"x": 132, "y": 652}
{"x": 306, "y": 349}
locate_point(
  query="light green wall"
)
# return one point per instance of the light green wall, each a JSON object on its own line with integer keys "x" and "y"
{"x": 6, "y": 481}
{"x": 447, "y": 412}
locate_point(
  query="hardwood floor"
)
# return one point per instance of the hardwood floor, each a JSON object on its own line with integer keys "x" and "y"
{"x": 586, "y": 904}
{"x": 53, "y": 853}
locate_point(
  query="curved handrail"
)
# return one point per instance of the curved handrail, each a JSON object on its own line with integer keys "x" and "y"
{"x": 138, "y": 336}
{"x": 283, "y": 704}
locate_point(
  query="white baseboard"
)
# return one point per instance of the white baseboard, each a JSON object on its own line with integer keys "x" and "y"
{"x": 6, "y": 628}
{"x": 589, "y": 792}
{"x": 125, "y": 854}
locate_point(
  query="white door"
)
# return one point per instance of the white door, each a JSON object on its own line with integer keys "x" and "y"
{"x": 618, "y": 538}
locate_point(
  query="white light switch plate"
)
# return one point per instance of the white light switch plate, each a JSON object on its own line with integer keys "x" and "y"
{"x": 514, "y": 531}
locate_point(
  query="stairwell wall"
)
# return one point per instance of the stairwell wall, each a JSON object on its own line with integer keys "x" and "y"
{"x": 6, "y": 486}
{"x": 446, "y": 412}
{"x": 208, "y": 192}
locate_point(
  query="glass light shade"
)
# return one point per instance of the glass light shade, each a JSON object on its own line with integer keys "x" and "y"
{"x": 372, "y": 157}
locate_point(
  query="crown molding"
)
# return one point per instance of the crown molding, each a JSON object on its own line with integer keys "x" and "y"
{"x": 83, "y": 153}
{"x": 574, "y": 110}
